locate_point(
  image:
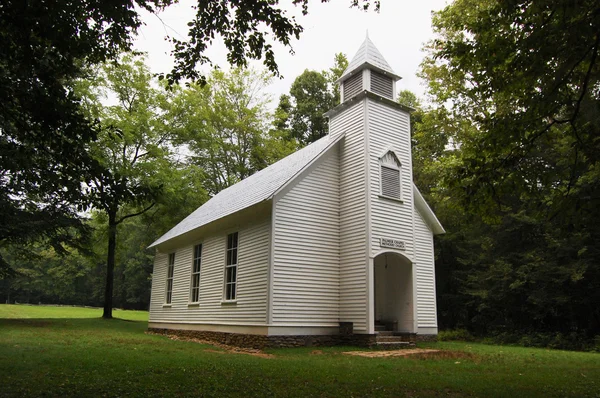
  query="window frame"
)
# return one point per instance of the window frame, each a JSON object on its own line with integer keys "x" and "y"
{"x": 195, "y": 259}
{"x": 231, "y": 267}
{"x": 169, "y": 280}
{"x": 396, "y": 165}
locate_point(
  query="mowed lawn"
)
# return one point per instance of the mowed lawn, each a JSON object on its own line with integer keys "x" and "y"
{"x": 62, "y": 351}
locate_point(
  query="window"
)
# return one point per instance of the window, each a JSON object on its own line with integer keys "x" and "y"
{"x": 169, "y": 287}
{"x": 231, "y": 266}
{"x": 390, "y": 176}
{"x": 196, "y": 265}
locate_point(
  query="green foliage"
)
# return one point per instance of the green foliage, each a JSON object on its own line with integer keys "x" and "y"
{"x": 509, "y": 158}
{"x": 44, "y": 134}
{"x": 455, "y": 335}
{"x": 225, "y": 125}
{"x": 312, "y": 99}
{"x": 132, "y": 147}
{"x": 245, "y": 27}
{"x": 409, "y": 99}
{"x": 301, "y": 114}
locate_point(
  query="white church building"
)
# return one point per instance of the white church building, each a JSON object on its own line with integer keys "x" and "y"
{"x": 333, "y": 243}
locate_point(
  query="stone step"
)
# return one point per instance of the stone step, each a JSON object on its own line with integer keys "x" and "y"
{"x": 392, "y": 338}
{"x": 393, "y": 345}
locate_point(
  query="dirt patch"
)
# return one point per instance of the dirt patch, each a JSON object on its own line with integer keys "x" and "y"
{"x": 419, "y": 353}
{"x": 445, "y": 354}
{"x": 393, "y": 353}
{"x": 226, "y": 349}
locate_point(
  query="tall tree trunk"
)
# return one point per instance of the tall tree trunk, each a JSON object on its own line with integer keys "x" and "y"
{"x": 110, "y": 264}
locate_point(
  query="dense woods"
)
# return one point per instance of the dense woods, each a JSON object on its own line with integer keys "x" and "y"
{"x": 505, "y": 149}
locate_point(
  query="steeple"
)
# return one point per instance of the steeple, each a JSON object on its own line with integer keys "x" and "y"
{"x": 368, "y": 70}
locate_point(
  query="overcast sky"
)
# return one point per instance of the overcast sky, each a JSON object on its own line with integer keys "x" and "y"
{"x": 399, "y": 31}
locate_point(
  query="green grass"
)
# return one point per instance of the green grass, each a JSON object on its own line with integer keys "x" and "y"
{"x": 36, "y": 312}
{"x": 62, "y": 351}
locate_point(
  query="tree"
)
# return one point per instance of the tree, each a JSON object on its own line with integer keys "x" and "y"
{"x": 43, "y": 132}
{"x": 132, "y": 147}
{"x": 516, "y": 89}
{"x": 312, "y": 99}
{"x": 311, "y": 95}
{"x": 225, "y": 125}
{"x": 239, "y": 23}
{"x": 340, "y": 64}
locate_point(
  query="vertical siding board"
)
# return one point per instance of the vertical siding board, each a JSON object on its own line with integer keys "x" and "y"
{"x": 306, "y": 249}
{"x": 251, "y": 305}
{"x": 425, "y": 274}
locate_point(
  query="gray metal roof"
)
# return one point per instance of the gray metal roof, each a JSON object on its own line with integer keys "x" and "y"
{"x": 368, "y": 55}
{"x": 426, "y": 212}
{"x": 250, "y": 191}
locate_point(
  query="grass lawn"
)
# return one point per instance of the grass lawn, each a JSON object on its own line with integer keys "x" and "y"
{"x": 63, "y": 351}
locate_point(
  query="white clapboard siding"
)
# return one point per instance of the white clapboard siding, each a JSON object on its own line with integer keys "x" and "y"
{"x": 389, "y": 130}
{"x": 251, "y": 303}
{"x": 425, "y": 274}
{"x": 159, "y": 276}
{"x": 353, "y": 216}
{"x": 306, "y": 249}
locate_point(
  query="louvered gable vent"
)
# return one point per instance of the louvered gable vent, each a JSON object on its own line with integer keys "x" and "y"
{"x": 390, "y": 176}
{"x": 352, "y": 86}
{"x": 390, "y": 182}
{"x": 382, "y": 85}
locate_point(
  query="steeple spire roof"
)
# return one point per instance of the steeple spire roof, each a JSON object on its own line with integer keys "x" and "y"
{"x": 368, "y": 56}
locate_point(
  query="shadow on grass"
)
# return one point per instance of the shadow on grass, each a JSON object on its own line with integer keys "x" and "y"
{"x": 75, "y": 323}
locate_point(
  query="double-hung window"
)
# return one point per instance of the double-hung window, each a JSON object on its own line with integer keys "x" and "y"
{"x": 169, "y": 286}
{"x": 231, "y": 267}
{"x": 195, "y": 282}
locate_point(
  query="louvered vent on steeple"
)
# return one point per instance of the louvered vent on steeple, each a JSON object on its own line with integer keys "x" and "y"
{"x": 353, "y": 86}
{"x": 382, "y": 85}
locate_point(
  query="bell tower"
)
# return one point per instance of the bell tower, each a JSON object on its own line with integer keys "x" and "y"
{"x": 368, "y": 71}
{"x": 376, "y": 191}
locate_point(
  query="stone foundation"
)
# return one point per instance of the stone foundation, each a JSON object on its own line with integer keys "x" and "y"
{"x": 262, "y": 341}
{"x": 426, "y": 337}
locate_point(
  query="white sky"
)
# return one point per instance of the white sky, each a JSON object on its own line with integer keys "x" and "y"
{"x": 399, "y": 31}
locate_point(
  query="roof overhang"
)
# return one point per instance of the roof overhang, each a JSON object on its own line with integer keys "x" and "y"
{"x": 426, "y": 212}
{"x": 366, "y": 94}
{"x": 367, "y": 65}
{"x": 250, "y": 215}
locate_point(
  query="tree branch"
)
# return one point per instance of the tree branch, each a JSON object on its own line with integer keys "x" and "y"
{"x": 139, "y": 213}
